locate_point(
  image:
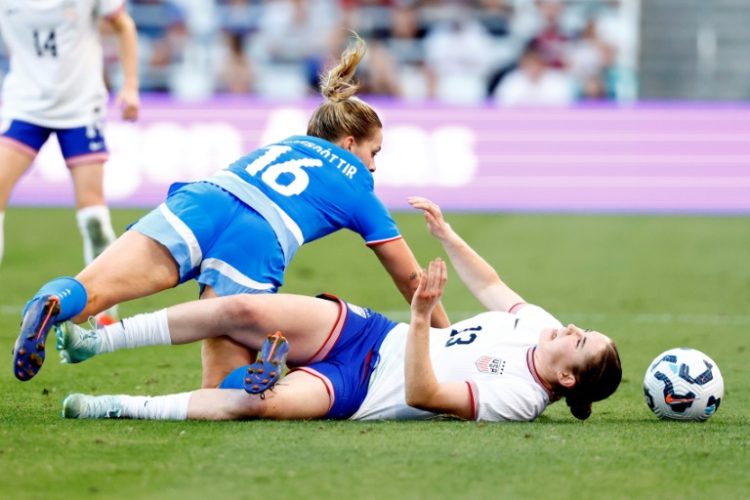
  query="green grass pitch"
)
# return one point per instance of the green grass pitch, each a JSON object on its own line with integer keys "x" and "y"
{"x": 649, "y": 282}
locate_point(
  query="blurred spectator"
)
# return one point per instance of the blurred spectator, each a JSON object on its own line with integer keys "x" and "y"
{"x": 551, "y": 41}
{"x": 367, "y": 17}
{"x": 589, "y": 60}
{"x": 535, "y": 83}
{"x": 237, "y": 21}
{"x": 404, "y": 41}
{"x": 162, "y": 34}
{"x": 495, "y": 15}
{"x": 459, "y": 54}
{"x": 378, "y": 74}
{"x": 291, "y": 45}
{"x": 235, "y": 74}
{"x": 456, "y": 51}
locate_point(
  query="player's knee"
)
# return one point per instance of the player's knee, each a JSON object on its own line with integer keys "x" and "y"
{"x": 242, "y": 310}
{"x": 244, "y": 406}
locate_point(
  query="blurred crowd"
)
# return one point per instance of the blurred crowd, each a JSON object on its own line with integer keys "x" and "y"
{"x": 527, "y": 52}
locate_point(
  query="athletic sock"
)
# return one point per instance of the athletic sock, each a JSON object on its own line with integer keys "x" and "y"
{"x": 95, "y": 225}
{"x": 169, "y": 407}
{"x": 69, "y": 291}
{"x": 138, "y": 331}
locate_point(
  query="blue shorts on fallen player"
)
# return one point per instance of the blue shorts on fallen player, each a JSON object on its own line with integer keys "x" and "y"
{"x": 344, "y": 364}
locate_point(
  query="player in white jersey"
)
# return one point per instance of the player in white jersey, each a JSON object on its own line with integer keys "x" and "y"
{"x": 55, "y": 85}
{"x": 508, "y": 364}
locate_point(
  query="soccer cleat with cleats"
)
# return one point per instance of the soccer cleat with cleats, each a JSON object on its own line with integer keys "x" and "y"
{"x": 29, "y": 353}
{"x": 76, "y": 344}
{"x": 268, "y": 367}
{"x": 85, "y": 406}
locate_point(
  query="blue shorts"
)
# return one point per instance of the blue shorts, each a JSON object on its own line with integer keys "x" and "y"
{"x": 78, "y": 145}
{"x": 216, "y": 239}
{"x": 346, "y": 368}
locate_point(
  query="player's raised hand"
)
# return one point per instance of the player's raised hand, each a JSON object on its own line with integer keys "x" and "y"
{"x": 430, "y": 289}
{"x": 432, "y": 214}
{"x": 130, "y": 103}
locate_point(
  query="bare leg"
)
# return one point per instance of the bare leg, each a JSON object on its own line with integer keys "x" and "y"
{"x": 88, "y": 184}
{"x": 13, "y": 164}
{"x": 133, "y": 266}
{"x": 306, "y": 322}
{"x": 220, "y": 355}
{"x": 297, "y": 396}
{"x": 93, "y": 217}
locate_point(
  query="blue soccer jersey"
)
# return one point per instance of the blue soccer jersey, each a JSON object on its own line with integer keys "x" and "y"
{"x": 306, "y": 188}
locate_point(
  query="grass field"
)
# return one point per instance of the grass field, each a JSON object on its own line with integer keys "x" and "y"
{"x": 649, "y": 282}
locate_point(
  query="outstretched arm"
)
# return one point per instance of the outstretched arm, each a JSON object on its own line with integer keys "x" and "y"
{"x": 479, "y": 277}
{"x": 422, "y": 388}
{"x": 398, "y": 259}
{"x": 127, "y": 99}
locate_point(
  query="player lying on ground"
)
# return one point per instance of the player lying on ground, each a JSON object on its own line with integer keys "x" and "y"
{"x": 237, "y": 231}
{"x": 350, "y": 362}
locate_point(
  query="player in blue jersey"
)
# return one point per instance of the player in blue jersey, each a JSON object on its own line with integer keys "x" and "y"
{"x": 347, "y": 362}
{"x": 237, "y": 231}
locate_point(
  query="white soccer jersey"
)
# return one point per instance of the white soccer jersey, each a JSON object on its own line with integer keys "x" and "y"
{"x": 491, "y": 352}
{"x": 56, "y": 69}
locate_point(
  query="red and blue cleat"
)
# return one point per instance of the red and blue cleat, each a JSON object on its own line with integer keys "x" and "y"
{"x": 28, "y": 354}
{"x": 268, "y": 367}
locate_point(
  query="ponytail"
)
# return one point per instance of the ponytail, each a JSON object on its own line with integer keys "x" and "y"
{"x": 595, "y": 382}
{"x": 338, "y": 83}
{"x": 342, "y": 113}
{"x": 580, "y": 409}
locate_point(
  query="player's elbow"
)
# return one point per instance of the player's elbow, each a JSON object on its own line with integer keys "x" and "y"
{"x": 418, "y": 397}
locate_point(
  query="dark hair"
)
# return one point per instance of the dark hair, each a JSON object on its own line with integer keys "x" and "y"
{"x": 596, "y": 381}
{"x": 342, "y": 114}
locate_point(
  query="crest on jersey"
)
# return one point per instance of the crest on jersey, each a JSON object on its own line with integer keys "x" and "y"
{"x": 488, "y": 364}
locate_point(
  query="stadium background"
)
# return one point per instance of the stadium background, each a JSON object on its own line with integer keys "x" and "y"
{"x": 622, "y": 205}
{"x": 629, "y": 116}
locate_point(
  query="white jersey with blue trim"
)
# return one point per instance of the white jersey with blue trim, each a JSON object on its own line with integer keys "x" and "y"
{"x": 56, "y": 68}
{"x": 306, "y": 188}
{"x": 491, "y": 352}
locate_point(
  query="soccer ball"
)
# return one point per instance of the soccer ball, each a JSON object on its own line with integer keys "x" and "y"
{"x": 683, "y": 384}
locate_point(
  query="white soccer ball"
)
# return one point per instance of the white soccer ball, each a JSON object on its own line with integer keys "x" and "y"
{"x": 683, "y": 384}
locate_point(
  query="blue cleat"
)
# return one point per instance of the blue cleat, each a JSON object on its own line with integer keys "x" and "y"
{"x": 38, "y": 318}
{"x": 268, "y": 367}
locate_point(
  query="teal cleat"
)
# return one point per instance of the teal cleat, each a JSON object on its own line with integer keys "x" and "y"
{"x": 75, "y": 343}
{"x": 85, "y": 406}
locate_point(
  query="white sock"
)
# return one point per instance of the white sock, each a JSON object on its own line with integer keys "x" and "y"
{"x": 2, "y": 235}
{"x": 138, "y": 331}
{"x": 96, "y": 229}
{"x": 169, "y": 407}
